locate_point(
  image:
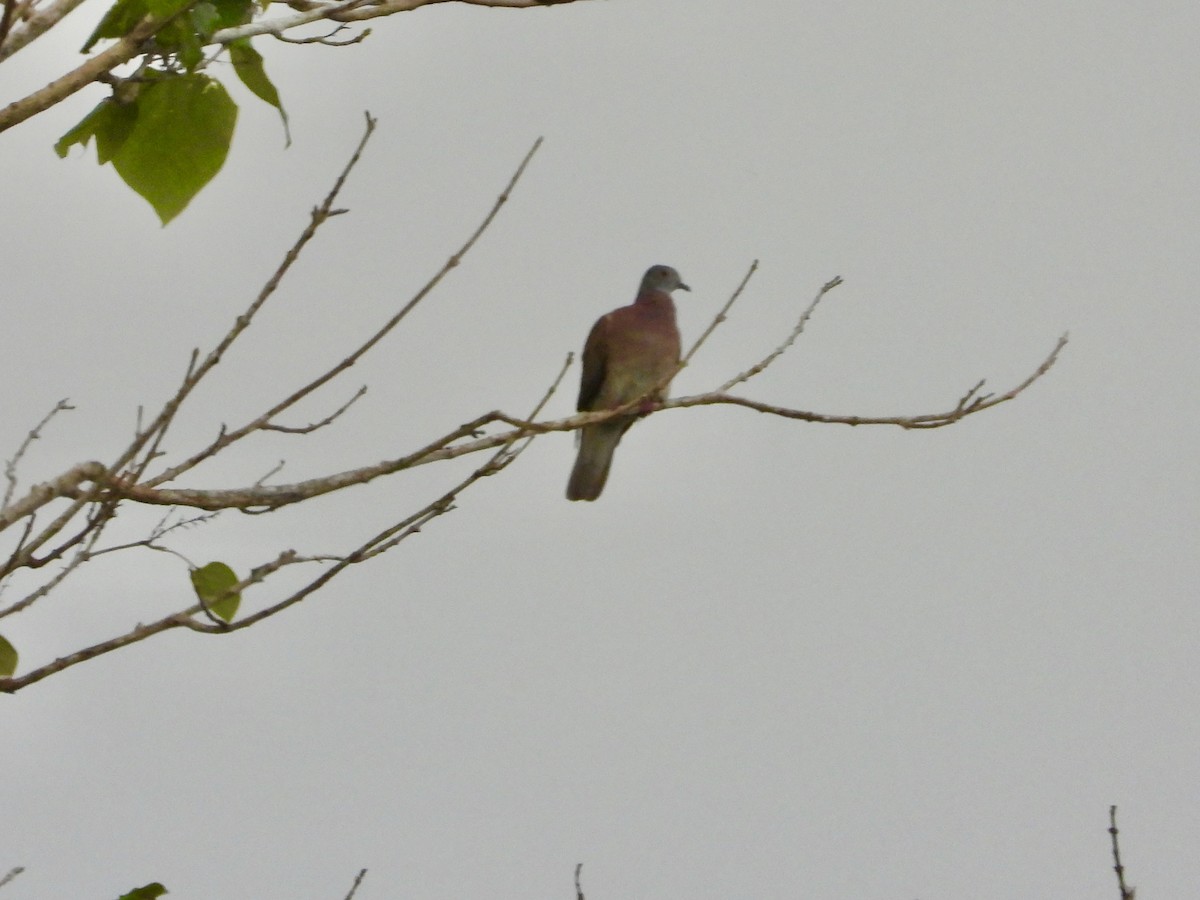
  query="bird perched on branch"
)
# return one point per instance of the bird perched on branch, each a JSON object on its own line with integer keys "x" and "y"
{"x": 630, "y": 353}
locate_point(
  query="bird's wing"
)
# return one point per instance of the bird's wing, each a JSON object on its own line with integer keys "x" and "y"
{"x": 595, "y": 364}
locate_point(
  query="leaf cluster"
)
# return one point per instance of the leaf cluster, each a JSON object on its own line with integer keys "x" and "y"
{"x": 168, "y": 127}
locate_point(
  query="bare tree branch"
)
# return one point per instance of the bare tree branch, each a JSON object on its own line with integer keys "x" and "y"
{"x": 374, "y": 546}
{"x": 720, "y": 317}
{"x": 10, "y": 467}
{"x": 34, "y": 24}
{"x": 357, "y": 881}
{"x": 196, "y": 373}
{"x": 315, "y": 11}
{"x": 227, "y": 438}
{"x": 12, "y": 873}
{"x": 1127, "y": 893}
{"x": 791, "y": 339}
{"x": 329, "y": 419}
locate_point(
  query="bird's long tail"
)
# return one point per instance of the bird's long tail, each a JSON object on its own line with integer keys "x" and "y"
{"x": 594, "y": 459}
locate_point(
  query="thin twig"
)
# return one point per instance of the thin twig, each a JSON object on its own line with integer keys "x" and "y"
{"x": 10, "y": 467}
{"x": 374, "y": 546}
{"x": 327, "y": 39}
{"x": 12, "y": 873}
{"x": 1127, "y": 893}
{"x": 578, "y": 887}
{"x": 721, "y": 315}
{"x": 257, "y": 424}
{"x": 309, "y": 429}
{"x": 196, "y": 373}
{"x": 445, "y": 448}
{"x": 791, "y": 339}
{"x": 357, "y": 881}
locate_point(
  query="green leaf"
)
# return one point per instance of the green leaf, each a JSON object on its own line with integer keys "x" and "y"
{"x": 166, "y": 8}
{"x": 206, "y": 19}
{"x": 149, "y": 892}
{"x": 211, "y": 582}
{"x": 124, "y": 14}
{"x": 248, "y": 63}
{"x": 179, "y": 141}
{"x": 231, "y": 13}
{"x": 8, "y": 658}
{"x": 110, "y": 123}
{"x": 180, "y": 38}
{"x": 118, "y": 21}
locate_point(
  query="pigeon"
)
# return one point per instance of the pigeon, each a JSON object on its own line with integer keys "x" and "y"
{"x": 629, "y": 353}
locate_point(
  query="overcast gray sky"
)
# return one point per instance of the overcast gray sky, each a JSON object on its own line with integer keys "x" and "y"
{"x": 776, "y": 659}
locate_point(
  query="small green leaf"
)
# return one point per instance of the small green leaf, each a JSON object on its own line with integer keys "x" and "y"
{"x": 8, "y": 658}
{"x": 179, "y": 141}
{"x": 211, "y": 583}
{"x": 248, "y": 63}
{"x": 110, "y": 123}
{"x": 149, "y": 892}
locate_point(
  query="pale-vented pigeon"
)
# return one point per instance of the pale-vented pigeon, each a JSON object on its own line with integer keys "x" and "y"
{"x": 628, "y": 352}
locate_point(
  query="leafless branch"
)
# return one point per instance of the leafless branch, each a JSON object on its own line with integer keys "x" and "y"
{"x": 791, "y": 339}
{"x": 445, "y": 448}
{"x": 357, "y": 881}
{"x": 308, "y": 429}
{"x": 721, "y": 315}
{"x": 1127, "y": 893}
{"x": 34, "y": 23}
{"x": 327, "y": 39}
{"x": 374, "y": 546}
{"x": 10, "y": 467}
{"x": 315, "y": 11}
{"x": 197, "y": 372}
{"x": 12, "y": 873}
{"x": 578, "y": 887}
{"x": 227, "y": 438}
{"x": 65, "y": 485}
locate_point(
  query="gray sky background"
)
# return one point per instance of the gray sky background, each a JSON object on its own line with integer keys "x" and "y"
{"x": 775, "y": 660}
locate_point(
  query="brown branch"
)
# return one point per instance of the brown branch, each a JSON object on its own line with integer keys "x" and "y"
{"x": 58, "y": 90}
{"x": 196, "y": 373}
{"x": 1127, "y": 893}
{"x": 445, "y": 448}
{"x": 791, "y": 339}
{"x": 309, "y": 11}
{"x": 141, "y": 632}
{"x": 10, "y": 467}
{"x": 393, "y": 535}
{"x": 227, "y": 438}
{"x": 379, "y": 543}
{"x": 721, "y": 315}
{"x": 308, "y": 429}
{"x": 34, "y": 24}
{"x": 357, "y": 881}
{"x": 12, "y": 873}
{"x": 65, "y": 485}
{"x": 327, "y": 39}
{"x": 6, "y": 19}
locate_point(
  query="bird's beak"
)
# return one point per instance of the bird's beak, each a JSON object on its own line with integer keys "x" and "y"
{"x": 684, "y": 287}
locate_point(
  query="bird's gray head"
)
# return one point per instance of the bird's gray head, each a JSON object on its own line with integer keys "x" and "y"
{"x": 662, "y": 278}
